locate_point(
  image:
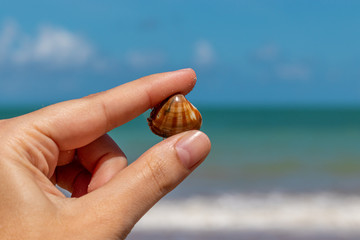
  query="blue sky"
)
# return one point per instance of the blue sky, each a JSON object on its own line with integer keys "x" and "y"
{"x": 244, "y": 52}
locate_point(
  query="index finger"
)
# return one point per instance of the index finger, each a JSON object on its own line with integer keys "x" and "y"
{"x": 75, "y": 123}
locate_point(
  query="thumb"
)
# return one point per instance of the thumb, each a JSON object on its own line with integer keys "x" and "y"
{"x": 133, "y": 191}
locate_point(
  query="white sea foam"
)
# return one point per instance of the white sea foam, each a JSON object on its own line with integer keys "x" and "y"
{"x": 327, "y": 212}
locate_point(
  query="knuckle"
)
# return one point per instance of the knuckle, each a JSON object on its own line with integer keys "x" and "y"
{"x": 156, "y": 171}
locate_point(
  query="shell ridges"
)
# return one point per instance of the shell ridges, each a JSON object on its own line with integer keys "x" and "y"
{"x": 174, "y": 115}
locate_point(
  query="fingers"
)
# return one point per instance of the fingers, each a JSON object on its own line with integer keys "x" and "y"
{"x": 75, "y": 123}
{"x": 132, "y": 192}
{"x": 74, "y": 178}
{"x": 95, "y": 164}
{"x": 103, "y": 158}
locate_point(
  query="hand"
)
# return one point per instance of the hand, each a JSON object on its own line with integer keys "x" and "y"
{"x": 66, "y": 144}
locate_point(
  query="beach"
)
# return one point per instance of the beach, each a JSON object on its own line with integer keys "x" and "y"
{"x": 277, "y": 84}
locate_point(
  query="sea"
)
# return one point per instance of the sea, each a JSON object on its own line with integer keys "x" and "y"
{"x": 273, "y": 173}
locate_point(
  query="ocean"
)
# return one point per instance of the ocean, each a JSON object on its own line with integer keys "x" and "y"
{"x": 273, "y": 173}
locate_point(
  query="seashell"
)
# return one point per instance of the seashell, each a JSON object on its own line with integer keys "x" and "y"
{"x": 174, "y": 115}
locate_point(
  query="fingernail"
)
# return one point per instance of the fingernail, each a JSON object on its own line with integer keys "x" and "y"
{"x": 192, "y": 148}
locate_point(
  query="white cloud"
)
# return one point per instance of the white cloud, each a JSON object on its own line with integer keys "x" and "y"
{"x": 293, "y": 71}
{"x": 56, "y": 46}
{"x": 269, "y": 52}
{"x": 7, "y": 36}
{"x": 204, "y": 54}
{"x": 52, "y": 46}
{"x": 274, "y": 63}
{"x": 145, "y": 59}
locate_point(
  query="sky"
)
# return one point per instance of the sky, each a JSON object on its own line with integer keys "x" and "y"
{"x": 301, "y": 52}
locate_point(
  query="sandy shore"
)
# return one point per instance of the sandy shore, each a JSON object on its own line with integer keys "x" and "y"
{"x": 317, "y": 212}
{"x": 317, "y": 216}
{"x": 241, "y": 235}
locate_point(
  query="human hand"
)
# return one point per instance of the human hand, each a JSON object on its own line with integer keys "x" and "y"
{"x": 67, "y": 144}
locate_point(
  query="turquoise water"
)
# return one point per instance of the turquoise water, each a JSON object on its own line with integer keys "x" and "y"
{"x": 268, "y": 149}
{"x": 285, "y": 149}
{"x": 263, "y": 149}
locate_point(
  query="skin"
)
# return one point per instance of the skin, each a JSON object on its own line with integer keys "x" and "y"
{"x": 67, "y": 144}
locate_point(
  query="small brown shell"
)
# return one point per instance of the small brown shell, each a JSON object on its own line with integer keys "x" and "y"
{"x": 174, "y": 115}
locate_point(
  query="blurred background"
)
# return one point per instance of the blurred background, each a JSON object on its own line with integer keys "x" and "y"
{"x": 278, "y": 87}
